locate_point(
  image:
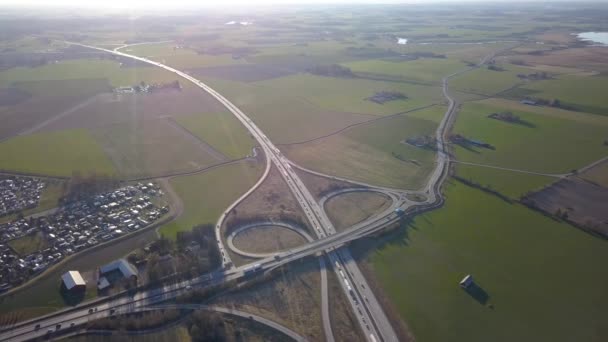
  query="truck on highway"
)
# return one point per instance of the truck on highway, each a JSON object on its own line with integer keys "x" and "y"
{"x": 252, "y": 269}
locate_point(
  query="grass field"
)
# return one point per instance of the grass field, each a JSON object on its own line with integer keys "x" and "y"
{"x": 421, "y": 70}
{"x": 582, "y": 93}
{"x": 551, "y": 144}
{"x": 365, "y": 153}
{"x": 268, "y": 239}
{"x": 29, "y": 244}
{"x": 521, "y": 259}
{"x": 284, "y": 116}
{"x": 220, "y": 130}
{"x": 89, "y": 69}
{"x": 488, "y": 82}
{"x": 55, "y": 154}
{"x": 509, "y": 183}
{"x": 351, "y": 208}
{"x": 151, "y": 147}
{"x": 349, "y": 95}
{"x": 207, "y": 194}
{"x": 47, "y": 99}
{"x": 180, "y": 57}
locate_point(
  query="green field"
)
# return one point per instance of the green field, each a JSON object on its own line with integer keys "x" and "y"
{"x": 29, "y": 244}
{"x": 488, "y": 82}
{"x": 55, "y": 154}
{"x": 151, "y": 147}
{"x": 349, "y": 95}
{"x": 207, "y": 194}
{"x": 509, "y": 183}
{"x": 365, "y": 153}
{"x": 421, "y": 70}
{"x": 551, "y": 144}
{"x": 220, "y": 130}
{"x": 64, "y": 87}
{"x": 179, "y": 57}
{"x": 89, "y": 69}
{"x": 284, "y": 116}
{"x": 542, "y": 278}
{"x": 582, "y": 93}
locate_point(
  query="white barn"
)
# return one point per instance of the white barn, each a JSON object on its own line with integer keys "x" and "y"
{"x": 72, "y": 280}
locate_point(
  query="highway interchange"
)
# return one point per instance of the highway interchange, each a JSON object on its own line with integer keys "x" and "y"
{"x": 369, "y": 313}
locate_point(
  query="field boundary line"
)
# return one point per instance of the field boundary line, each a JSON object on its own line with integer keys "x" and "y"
{"x": 341, "y": 130}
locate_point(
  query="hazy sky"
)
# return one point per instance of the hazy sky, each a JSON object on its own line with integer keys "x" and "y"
{"x": 210, "y": 3}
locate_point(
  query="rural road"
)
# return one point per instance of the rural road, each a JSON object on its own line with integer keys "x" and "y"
{"x": 272, "y": 324}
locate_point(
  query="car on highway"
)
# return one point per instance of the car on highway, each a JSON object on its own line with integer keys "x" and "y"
{"x": 37, "y": 327}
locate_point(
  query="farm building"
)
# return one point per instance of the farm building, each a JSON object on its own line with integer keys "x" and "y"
{"x": 528, "y": 102}
{"x": 119, "y": 267}
{"x": 72, "y": 281}
{"x": 466, "y": 281}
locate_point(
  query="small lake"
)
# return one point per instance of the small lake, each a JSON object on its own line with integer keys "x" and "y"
{"x": 599, "y": 38}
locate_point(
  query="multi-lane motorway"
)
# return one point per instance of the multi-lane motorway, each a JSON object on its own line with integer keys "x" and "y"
{"x": 368, "y": 311}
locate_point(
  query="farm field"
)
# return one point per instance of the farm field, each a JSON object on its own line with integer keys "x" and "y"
{"x": 488, "y": 82}
{"x": 421, "y": 70}
{"x": 181, "y": 58}
{"x": 151, "y": 148}
{"x": 130, "y": 109}
{"x": 544, "y": 143}
{"x": 89, "y": 69}
{"x": 55, "y": 154}
{"x": 285, "y": 117}
{"x": 349, "y": 95}
{"x": 351, "y": 208}
{"x": 221, "y": 130}
{"x": 509, "y": 183}
{"x": 374, "y": 152}
{"x": 582, "y": 93}
{"x": 517, "y": 257}
{"x": 27, "y": 105}
{"x": 597, "y": 174}
{"x": 207, "y": 194}
{"x": 591, "y": 58}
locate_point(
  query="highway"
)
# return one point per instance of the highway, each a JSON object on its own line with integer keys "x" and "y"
{"x": 371, "y": 317}
{"x": 368, "y": 311}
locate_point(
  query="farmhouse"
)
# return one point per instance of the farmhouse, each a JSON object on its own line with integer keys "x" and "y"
{"x": 72, "y": 281}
